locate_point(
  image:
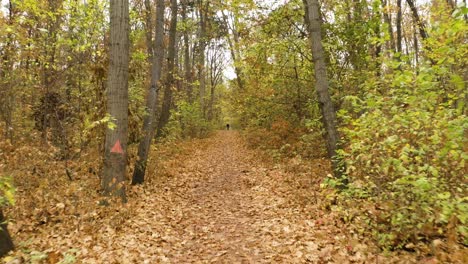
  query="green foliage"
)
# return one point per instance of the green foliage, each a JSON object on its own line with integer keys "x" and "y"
{"x": 187, "y": 121}
{"x": 405, "y": 138}
{"x": 408, "y": 150}
{"x": 7, "y": 191}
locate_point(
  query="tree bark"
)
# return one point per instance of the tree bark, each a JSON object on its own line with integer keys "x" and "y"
{"x": 234, "y": 49}
{"x": 152, "y": 98}
{"x": 149, "y": 31}
{"x": 417, "y": 19}
{"x": 388, "y": 20}
{"x": 6, "y": 243}
{"x": 167, "y": 103}
{"x": 115, "y": 157}
{"x": 201, "y": 55}
{"x": 187, "y": 68}
{"x": 399, "y": 46}
{"x": 321, "y": 79}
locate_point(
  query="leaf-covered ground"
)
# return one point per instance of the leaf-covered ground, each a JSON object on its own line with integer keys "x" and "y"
{"x": 205, "y": 201}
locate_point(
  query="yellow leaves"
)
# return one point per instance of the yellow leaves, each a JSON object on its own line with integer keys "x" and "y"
{"x": 7, "y": 190}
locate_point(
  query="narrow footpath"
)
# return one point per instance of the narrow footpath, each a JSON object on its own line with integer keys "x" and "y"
{"x": 219, "y": 203}
{"x": 204, "y": 201}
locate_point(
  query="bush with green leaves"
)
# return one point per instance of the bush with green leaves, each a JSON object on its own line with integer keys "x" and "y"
{"x": 407, "y": 153}
{"x": 187, "y": 121}
{"x": 406, "y": 146}
{"x": 7, "y": 191}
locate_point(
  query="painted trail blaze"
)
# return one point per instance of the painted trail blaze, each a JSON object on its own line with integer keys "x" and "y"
{"x": 117, "y": 148}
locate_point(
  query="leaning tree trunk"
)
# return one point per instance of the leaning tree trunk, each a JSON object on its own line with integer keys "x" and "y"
{"x": 417, "y": 19}
{"x": 326, "y": 105}
{"x": 115, "y": 156}
{"x": 6, "y": 244}
{"x": 167, "y": 103}
{"x": 152, "y": 98}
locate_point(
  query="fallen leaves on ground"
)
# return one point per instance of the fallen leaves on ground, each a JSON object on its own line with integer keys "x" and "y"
{"x": 204, "y": 201}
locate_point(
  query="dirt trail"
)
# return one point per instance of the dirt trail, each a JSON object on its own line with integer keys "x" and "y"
{"x": 204, "y": 201}
{"x": 221, "y": 205}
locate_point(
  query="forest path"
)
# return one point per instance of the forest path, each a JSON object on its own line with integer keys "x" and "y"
{"x": 221, "y": 204}
{"x": 207, "y": 200}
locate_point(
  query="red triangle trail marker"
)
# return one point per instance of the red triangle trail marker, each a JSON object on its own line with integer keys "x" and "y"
{"x": 117, "y": 148}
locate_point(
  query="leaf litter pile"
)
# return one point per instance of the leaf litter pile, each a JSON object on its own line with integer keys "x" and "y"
{"x": 204, "y": 201}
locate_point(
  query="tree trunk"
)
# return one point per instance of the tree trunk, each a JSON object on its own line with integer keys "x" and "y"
{"x": 152, "y": 98}
{"x": 234, "y": 49}
{"x": 6, "y": 244}
{"x": 399, "y": 46}
{"x": 201, "y": 55}
{"x": 321, "y": 85}
{"x": 167, "y": 103}
{"x": 149, "y": 31}
{"x": 417, "y": 19}
{"x": 115, "y": 157}
{"x": 388, "y": 20}
{"x": 187, "y": 68}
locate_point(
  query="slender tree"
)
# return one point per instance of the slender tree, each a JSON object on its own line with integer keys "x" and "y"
{"x": 417, "y": 19}
{"x": 115, "y": 157}
{"x": 149, "y": 30}
{"x": 169, "y": 84}
{"x": 152, "y": 98}
{"x": 321, "y": 80}
{"x": 187, "y": 68}
{"x": 388, "y": 20}
{"x": 399, "y": 46}
{"x": 233, "y": 47}
{"x": 202, "y": 10}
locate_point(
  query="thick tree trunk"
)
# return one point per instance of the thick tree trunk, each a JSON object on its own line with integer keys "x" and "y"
{"x": 167, "y": 103}
{"x": 6, "y": 244}
{"x": 115, "y": 157}
{"x": 325, "y": 101}
{"x": 152, "y": 98}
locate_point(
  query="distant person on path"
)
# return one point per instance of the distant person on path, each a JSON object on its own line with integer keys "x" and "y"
{"x": 227, "y": 126}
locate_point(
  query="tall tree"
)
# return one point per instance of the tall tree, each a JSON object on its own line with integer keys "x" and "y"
{"x": 6, "y": 70}
{"x": 167, "y": 103}
{"x": 187, "y": 68}
{"x": 388, "y": 20}
{"x": 233, "y": 46}
{"x": 215, "y": 72}
{"x": 399, "y": 46}
{"x": 149, "y": 30}
{"x": 115, "y": 157}
{"x": 152, "y": 98}
{"x": 202, "y": 14}
{"x": 417, "y": 19}
{"x": 321, "y": 80}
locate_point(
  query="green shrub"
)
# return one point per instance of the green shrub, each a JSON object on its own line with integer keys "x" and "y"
{"x": 7, "y": 191}
{"x": 187, "y": 121}
{"x": 407, "y": 151}
{"x": 406, "y": 146}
